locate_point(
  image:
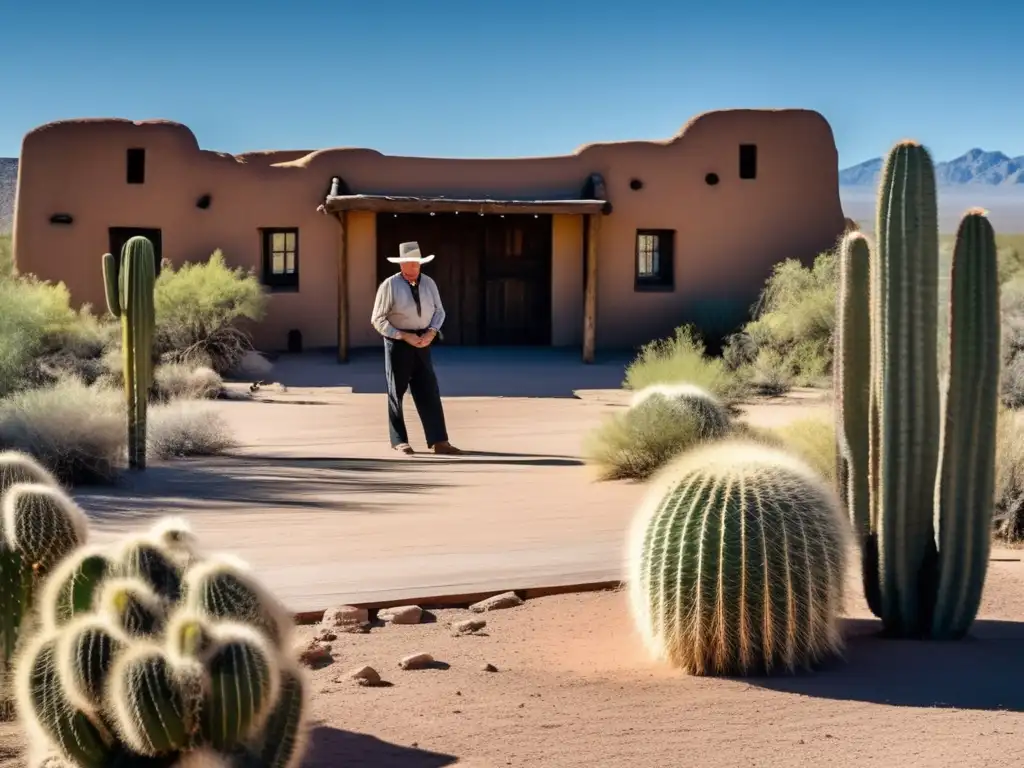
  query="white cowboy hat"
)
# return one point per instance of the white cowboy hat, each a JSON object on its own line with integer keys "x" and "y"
{"x": 410, "y": 252}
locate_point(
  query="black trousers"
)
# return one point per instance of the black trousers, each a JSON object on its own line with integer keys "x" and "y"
{"x": 410, "y": 368}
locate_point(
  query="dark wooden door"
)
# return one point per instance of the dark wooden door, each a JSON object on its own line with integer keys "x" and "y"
{"x": 118, "y": 236}
{"x": 517, "y": 280}
{"x": 493, "y": 273}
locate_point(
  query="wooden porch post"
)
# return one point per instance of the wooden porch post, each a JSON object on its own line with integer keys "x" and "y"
{"x": 342, "y": 287}
{"x": 590, "y": 290}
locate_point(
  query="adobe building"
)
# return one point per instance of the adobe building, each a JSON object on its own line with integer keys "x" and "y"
{"x": 611, "y": 246}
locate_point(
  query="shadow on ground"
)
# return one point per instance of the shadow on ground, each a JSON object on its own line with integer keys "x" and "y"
{"x": 339, "y": 484}
{"x": 465, "y": 371}
{"x": 332, "y": 747}
{"x": 982, "y": 672}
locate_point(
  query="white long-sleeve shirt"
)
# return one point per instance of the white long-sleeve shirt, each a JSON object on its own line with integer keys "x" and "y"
{"x": 394, "y": 308}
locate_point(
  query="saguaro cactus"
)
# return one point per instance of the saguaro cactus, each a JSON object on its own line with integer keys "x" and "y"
{"x": 918, "y": 465}
{"x": 130, "y": 286}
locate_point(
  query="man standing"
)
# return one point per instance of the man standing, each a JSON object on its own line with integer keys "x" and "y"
{"x": 408, "y": 313}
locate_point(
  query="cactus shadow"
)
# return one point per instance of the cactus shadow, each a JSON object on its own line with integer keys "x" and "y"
{"x": 329, "y": 747}
{"x": 981, "y": 672}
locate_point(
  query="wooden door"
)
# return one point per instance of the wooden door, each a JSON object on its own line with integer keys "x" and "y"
{"x": 517, "y": 280}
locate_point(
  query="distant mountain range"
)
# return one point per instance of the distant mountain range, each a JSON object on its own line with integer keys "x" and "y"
{"x": 975, "y": 168}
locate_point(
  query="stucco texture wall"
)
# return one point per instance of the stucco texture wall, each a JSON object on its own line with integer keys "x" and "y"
{"x": 727, "y": 238}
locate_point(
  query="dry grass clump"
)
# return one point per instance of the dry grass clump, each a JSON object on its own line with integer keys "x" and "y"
{"x": 184, "y": 428}
{"x": 181, "y": 381}
{"x": 76, "y": 431}
{"x": 662, "y": 423}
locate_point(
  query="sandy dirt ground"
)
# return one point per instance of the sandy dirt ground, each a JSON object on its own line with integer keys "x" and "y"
{"x": 315, "y": 499}
{"x": 573, "y": 690}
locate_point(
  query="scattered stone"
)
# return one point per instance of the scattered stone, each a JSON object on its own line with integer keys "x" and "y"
{"x": 489, "y": 668}
{"x": 316, "y": 654}
{"x": 365, "y": 676}
{"x": 326, "y": 635}
{"x": 346, "y": 618}
{"x": 401, "y": 614}
{"x": 416, "y": 661}
{"x": 497, "y": 602}
{"x": 468, "y": 627}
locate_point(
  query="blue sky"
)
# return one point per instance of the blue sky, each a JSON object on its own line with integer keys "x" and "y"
{"x": 475, "y": 79}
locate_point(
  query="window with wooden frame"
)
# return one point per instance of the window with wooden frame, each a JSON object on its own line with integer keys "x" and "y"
{"x": 655, "y": 254}
{"x": 281, "y": 259}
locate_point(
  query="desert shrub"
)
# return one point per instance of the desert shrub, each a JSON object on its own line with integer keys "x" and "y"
{"x": 661, "y": 423}
{"x": 187, "y": 429}
{"x": 1012, "y": 310}
{"x": 199, "y": 308}
{"x": 6, "y": 257}
{"x": 792, "y": 329}
{"x": 181, "y": 381}
{"x": 42, "y": 337}
{"x": 682, "y": 359}
{"x": 1009, "y": 508}
{"x": 76, "y": 431}
{"x": 813, "y": 439}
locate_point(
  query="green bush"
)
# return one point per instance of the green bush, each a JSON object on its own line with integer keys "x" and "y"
{"x": 187, "y": 429}
{"x": 683, "y": 359}
{"x": 41, "y": 336}
{"x": 6, "y": 257}
{"x": 813, "y": 439}
{"x": 200, "y": 308}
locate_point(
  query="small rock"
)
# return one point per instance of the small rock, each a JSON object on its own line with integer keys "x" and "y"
{"x": 401, "y": 614}
{"x": 489, "y": 668}
{"x": 468, "y": 627}
{"x": 497, "y": 602}
{"x": 316, "y": 654}
{"x": 345, "y": 616}
{"x": 416, "y": 661}
{"x": 325, "y": 635}
{"x": 365, "y": 676}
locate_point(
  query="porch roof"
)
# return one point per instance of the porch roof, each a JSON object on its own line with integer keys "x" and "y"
{"x": 592, "y": 199}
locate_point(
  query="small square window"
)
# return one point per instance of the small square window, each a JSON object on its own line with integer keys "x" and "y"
{"x": 281, "y": 259}
{"x": 655, "y": 257}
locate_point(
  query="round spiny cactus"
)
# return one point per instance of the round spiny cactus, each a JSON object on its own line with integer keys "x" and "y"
{"x": 689, "y": 400}
{"x": 124, "y": 675}
{"x": 42, "y": 523}
{"x": 737, "y": 560}
{"x": 18, "y": 467}
{"x": 224, "y": 588}
{"x": 133, "y": 606}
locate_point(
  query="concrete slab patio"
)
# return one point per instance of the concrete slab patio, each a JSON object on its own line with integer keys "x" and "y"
{"x": 316, "y": 501}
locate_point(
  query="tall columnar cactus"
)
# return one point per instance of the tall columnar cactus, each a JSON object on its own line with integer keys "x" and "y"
{"x": 919, "y": 461}
{"x": 153, "y": 655}
{"x": 39, "y": 526}
{"x": 130, "y": 286}
{"x": 737, "y": 560}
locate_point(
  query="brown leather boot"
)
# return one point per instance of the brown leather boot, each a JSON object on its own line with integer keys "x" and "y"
{"x": 445, "y": 448}
{"x": 405, "y": 448}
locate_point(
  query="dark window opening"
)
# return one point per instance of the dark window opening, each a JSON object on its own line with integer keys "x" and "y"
{"x": 136, "y": 166}
{"x": 118, "y": 236}
{"x": 655, "y": 257}
{"x": 281, "y": 258}
{"x": 748, "y": 161}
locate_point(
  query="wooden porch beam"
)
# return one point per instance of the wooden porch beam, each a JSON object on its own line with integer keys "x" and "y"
{"x": 593, "y": 223}
{"x": 399, "y": 204}
{"x": 342, "y": 237}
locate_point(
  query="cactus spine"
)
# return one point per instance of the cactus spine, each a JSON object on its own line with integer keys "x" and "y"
{"x": 150, "y": 657}
{"x": 39, "y": 526}
{"x": 929, "y": 465}
{"x": 737, "y": 562}
{"x": 130, "y": 296}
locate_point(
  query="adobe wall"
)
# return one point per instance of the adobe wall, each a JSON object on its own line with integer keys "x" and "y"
{"x": 727, "y": 236}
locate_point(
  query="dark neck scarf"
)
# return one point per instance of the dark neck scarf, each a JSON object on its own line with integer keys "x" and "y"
{"x": 415, "y": 288}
